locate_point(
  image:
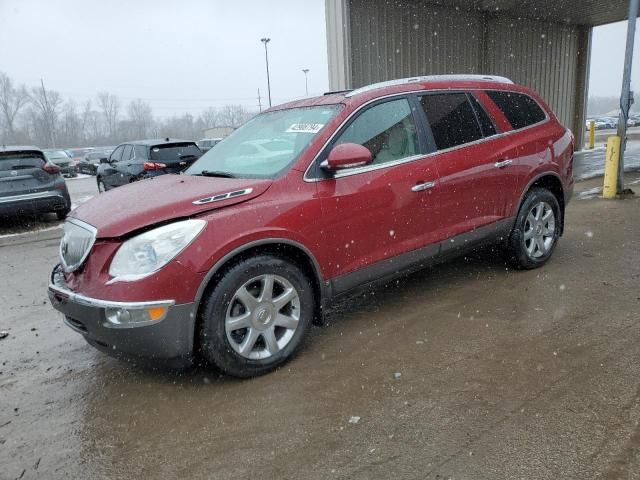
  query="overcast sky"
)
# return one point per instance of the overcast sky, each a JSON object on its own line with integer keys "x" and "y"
{"x": 188, "y": 54}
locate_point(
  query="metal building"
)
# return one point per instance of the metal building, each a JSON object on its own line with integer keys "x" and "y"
{"x": 543, "y": 44}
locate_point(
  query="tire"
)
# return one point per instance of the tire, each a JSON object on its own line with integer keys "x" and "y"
{"x": 536, "y": 231}
{"x": 62, "y": 214}
{"x": 101, "y": 186}
{"x": 236, "y": 302}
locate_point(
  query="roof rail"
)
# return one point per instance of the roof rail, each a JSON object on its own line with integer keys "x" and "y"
{"x": 336, "y": 92}
{"x": 428, "y": 78}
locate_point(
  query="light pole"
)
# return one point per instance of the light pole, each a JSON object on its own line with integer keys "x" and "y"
{"x": 266, "y": 57}
{"x": 306, "y": 83}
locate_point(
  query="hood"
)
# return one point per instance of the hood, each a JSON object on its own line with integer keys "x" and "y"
{"x": 141, "y": 204}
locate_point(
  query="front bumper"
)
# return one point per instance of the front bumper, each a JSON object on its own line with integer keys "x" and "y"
{"x": 169, "y": 340}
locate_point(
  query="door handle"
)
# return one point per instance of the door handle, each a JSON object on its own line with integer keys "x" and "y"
{"x": 423, "y": 186}
{"x": 503, "y": 163}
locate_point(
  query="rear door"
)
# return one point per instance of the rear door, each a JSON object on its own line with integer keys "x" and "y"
{"x": 527, "y": 146}
{"x": 470, "y": 184}
{"x": 373, "y": 213}
{"x": 22, "y": 172}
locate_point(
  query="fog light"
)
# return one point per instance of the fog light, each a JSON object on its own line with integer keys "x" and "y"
{"x": 126, "y": 317}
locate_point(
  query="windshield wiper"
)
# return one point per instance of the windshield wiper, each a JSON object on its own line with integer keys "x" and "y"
{"x": 216, "y": 173}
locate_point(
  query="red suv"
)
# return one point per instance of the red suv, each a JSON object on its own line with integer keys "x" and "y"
{"x": 233, "y": 259}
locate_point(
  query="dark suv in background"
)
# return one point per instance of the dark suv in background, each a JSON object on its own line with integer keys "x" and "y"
{"x": 141, "y": 159}
{"x": 29, "y": 183}
{"x": 63, "y": 161}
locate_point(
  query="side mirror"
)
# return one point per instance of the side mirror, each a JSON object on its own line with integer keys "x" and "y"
{"x": 347, "y": 155}
{"x": 104, "y": 160}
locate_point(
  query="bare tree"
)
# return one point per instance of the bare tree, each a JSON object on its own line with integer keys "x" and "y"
{"x": 12, "y": 100}
{"x": 210, "y": 117}
{"x": 141, "y": 118}
{"x": 70, "y": 126}
{"x": 47, "y": 103}
{"x": 233, "y": 115}
{"x": 110, "y": 106}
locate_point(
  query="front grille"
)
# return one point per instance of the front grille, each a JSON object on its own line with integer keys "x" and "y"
{"x": 76, "y": 244}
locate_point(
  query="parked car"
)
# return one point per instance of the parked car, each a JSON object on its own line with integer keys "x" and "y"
{"x": 234, "y": 259}
{"x": 207, "y": 144}
{"x": 91, "y": 161}
{"x": 62, "y": 160}
{"x": 29, "y": 183}
{"x": 142, "y": 159}
{"x": 77, "y": 154}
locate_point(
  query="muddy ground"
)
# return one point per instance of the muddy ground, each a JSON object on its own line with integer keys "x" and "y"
{"x": 468, "y": 370}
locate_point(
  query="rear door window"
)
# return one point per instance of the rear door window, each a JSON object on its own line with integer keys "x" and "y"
{"x": 452, "y": 119}
{"x": 175, "y": 152}
{"x": 488, "y": 128}
{"x": 521, "y": 110}
{"x": 126, "y": 154}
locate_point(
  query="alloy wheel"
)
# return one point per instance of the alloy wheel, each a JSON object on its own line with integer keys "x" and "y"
{"x": 262, "y": 317}
{"x": 539, "y": 230}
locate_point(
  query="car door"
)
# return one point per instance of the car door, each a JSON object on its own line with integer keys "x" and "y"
{"x": 470, "y": 184}
{"x": 380, "y": 211}
{"x": 109, "y": 174}
{"x": 123, "y": 166}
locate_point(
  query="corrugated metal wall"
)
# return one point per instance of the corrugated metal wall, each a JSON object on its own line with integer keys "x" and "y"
{"x": 543, "y": 56}
{"x": 400, "y": 39}
{"x": 403, "y": 38}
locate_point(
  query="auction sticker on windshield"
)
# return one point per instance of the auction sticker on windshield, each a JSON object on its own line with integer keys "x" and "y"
{"x": 305, "y": 128}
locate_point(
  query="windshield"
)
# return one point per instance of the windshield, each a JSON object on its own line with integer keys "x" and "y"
{"x": 267, "y": 145}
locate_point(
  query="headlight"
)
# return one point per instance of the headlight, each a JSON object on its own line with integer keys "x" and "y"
{"x": 149, "y": 252}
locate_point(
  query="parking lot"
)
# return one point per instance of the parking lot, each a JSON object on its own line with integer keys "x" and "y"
{"x": 466, "y": 370}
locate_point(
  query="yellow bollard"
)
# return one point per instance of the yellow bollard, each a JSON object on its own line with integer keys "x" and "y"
{"x": 592, "y": 134}
{"x": 611, "y": 163}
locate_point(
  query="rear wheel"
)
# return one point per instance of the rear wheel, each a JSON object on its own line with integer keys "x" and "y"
{"x": 256, "y": 316}
{"x": 536, "y": 230}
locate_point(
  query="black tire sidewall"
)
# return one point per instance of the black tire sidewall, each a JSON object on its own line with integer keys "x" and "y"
{"x": 517, "y": 254}
{"x": 214, "y": 345}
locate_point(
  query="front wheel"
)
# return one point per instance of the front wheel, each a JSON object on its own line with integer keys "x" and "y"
{"x": 101, "y": 186}
{"x": 256, "y": 316}
{"x": 536, "y": 231}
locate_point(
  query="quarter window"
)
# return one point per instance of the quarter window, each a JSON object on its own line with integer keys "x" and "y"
{"x": 452, "y": 119}
{"x": 521, "y": 110}
{"x": 388, "y": 130}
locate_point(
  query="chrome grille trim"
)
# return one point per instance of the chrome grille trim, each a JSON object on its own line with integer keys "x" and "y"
{"x": 223, "y": 196}
{"x": 72, "y": 262}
